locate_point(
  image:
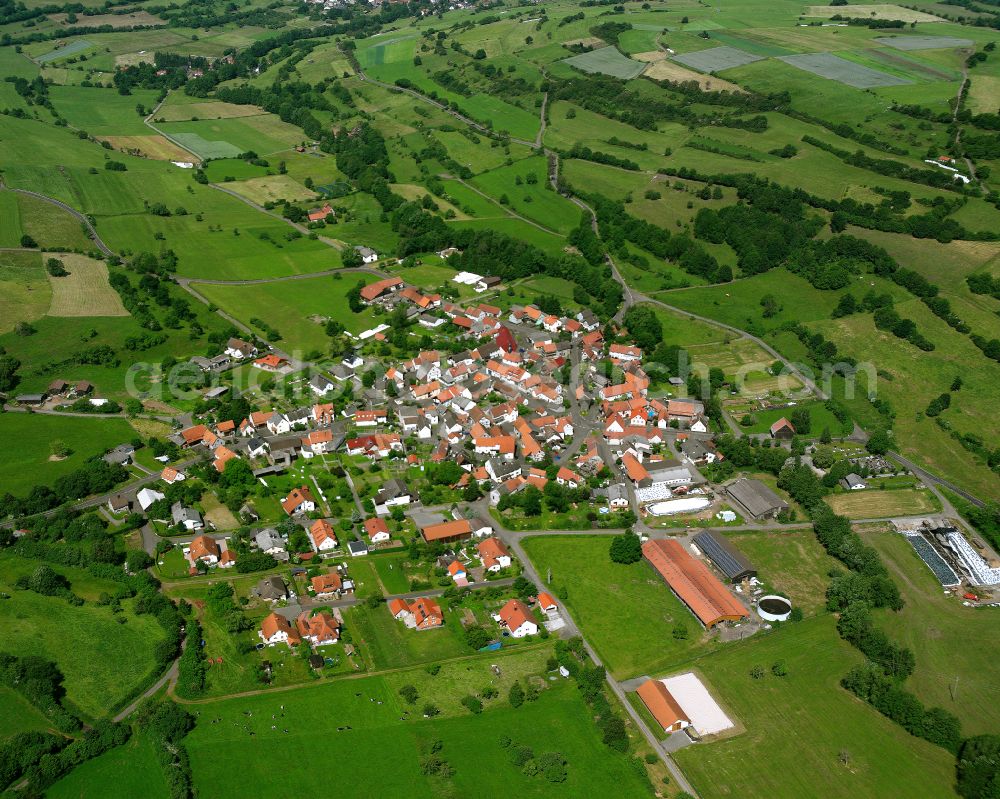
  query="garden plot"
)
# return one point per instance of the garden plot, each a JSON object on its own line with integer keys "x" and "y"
{"x": 607, "y": 61}
{"x": 923, "y": 42}
{"x": 716, "y": 59}
{"x": 827, "y": 65}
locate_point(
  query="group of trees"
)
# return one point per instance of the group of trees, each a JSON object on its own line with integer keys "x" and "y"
{"x": 94, "y": 477}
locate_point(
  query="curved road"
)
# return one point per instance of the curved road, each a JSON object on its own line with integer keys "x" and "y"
{"x": 85, "y": 221}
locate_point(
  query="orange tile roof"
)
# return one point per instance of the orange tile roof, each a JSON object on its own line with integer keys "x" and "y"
{"x": 396, "y": 606}
{"x": 492, "y": 548}
{"x": 295, "y": 498}
{"x": 546, "y": 601}
{"x": 327, "y": 583}
{"x": 375, "y": 525}
{"x": 691, "y": 580}
{"x": 370, "y": 292}
{"x": 661, "y": 704}
{"x": 446, "y": 530}
{"x": 201, "y": 546}
{"x": 635, "y": 470}
{"x": 275, "y": 623}
{"x": 515, "y": 613}
{"x": 322, "y": 530}
{"x": 192, "y": 435}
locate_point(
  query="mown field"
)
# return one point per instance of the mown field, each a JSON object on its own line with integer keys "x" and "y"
{"x": 627, "y": 612}
{"x": 31, "y": 463}
{"x": 365, "y": 717}
{"x": 799, "y": 728}
{"x": 127, "y": 771}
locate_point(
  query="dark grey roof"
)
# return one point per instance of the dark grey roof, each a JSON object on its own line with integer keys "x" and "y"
{"x": 726, "y": 557}
{"x": 755, "y": 497}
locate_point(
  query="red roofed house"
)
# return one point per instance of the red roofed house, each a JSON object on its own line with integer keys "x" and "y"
{"x": 320, "y": 214}
{"x": 423, "y": 613}
{"x": 321, "y": 629}
{"x": 205, "y": 549}
{"x": 457, "y": 572}
{"x": 276, "y": 629}
{"x": 375, "y": 290}
{"x": 377, "y": 530}
{"x": 170, "y": 475}
{"x": 193, "y": 435}
{"x": 322, "y": 536}
{"x": 493, "y": 554}
{"x": 505, "y": 340}
{"x": 270, "y": 363}
{"x": 222, "y": 456}
{"x": 517, "y": 618}
{"x": 317, "y": 442}
{"x": 299, "y": 500}
{"x": 567, "y": 477}
{"x": 326, "y": 585}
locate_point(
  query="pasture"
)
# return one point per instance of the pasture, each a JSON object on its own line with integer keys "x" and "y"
{"x": 627, "y": 612}
{"x": 74, "y": 47}
{"x": 85, "y": 291}
{"x": 364, "y": 718}
{"x": 19, "y": 715}
{"x": 122, "y": 773}
{"x": 24, "y": 288}
{"x": 31, "y": 462}
{"x": 788, "y": 726}
{"x": 50, "y": 225}
{"x": 940, "y": 631}
{"x": 103, "y": 112}
{"x": 821, "y": 418}
{"x": 607, "y": 61}
{"x": 103, "y": 661}
{"x": 288, "y": 305}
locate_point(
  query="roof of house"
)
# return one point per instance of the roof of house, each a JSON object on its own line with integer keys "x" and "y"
{"x": 781, "y": 424}
{"x": 272, "y": 587}
{"x": 515, "y": 613}
{"x": 321, "y": 530}
{"x": 275, "y": 623}
{"x": 661, "y": 703}
{"x": 327, "y": 583}
{"x": 635, "y": 470}
{"x": 492, "y": 548}
{"x": 691, "y": 580}
{"x": 295, "y": 498}
{"x": 375, "y": 525}
{"x": 396, "y": 606}
{"x": 427, "y": 611}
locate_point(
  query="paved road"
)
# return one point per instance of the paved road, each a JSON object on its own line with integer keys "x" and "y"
{"x": 169, "y": 678}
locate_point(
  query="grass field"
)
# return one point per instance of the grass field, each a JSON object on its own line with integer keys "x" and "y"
{"x": 122, "y": 773}
{"x": 627, "y": 612}
{"x": 10, "y": 220}
{"x": 798, "y": 726}
{"x": 344, "y": 715}
{"x": 819, "y": 415}
{"x": 949, "y": 640}
{"x": 18, "y": 715}
{"x": 28, "y": 464}
{"x": 24, "y": 288}
{"x": 103, "y": 112}
{"x": 390, "y": 644}
{"x": 103, "y": 661}
{"x": 873, "y": 504}
{"x": 175, "y": 110}
{"x": 263, "y": 133}
{"x": 288, "y": 305}
{"x": 50, "y": 225}
{"x": 789, "y": 561}
{"x": 85, "y": 291}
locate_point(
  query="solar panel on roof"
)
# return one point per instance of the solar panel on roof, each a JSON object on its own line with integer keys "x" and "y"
{"x": 729, "y": 561}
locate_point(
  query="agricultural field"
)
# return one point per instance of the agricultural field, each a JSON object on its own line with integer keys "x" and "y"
{"x": 32, "y": 462}
{"x": 882, "y": 758}
{"x": 627, "y": 612}
{"x": 25, "y": 294}
{"x": 85, "y": 291}
{"x": 366, "y": 715}
{"x": 938, "y": 628}
{"x": 607, "y": 61}
{"x": 873, "y": 503}
{"x": 288, "y": 306}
